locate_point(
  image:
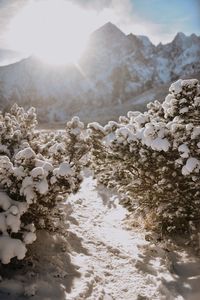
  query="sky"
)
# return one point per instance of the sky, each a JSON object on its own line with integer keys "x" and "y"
{"x": 160, "y": 20}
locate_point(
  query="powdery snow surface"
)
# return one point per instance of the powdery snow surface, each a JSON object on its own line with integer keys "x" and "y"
{"x": 103, "y": 259}
{"x": 109, "y": 269}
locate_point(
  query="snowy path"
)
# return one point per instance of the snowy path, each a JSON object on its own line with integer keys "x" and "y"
{"x": 100, "y": 258}
{"x": 114, "y": 267}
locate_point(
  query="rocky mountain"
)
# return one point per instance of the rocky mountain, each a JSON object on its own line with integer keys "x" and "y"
{"x": 114, "y": 70}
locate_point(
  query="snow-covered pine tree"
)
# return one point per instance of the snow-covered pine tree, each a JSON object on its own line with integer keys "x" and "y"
{"x": 37, "y": 171}
{"x": 153, "y": 159}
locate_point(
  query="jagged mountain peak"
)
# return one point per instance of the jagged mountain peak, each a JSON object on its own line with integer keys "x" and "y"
{"x": 109, "y": 25}
{"x": 136, "y": 42}
{"x": 141, "y": 44}
{"x": 180, "y": 35}
{"x": 179, "y": 39}
{"x": 193, "y": 35}
{"x": 131, "y": 35}
{"x": 195, "y": 38}
{"x": 160, "y": 45}
{"x": 183, "y": 41}
{"x": 108, "y": 33}
{"x": 134, "y": 38}
{"x": 145, "y": 40}
{"x": 109, "y": 28}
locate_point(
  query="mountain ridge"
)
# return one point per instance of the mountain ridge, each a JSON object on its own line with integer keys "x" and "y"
{"x": 114, "y": 68}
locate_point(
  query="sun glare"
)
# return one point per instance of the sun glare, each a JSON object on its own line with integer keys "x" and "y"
{"x": 55, "y": 31}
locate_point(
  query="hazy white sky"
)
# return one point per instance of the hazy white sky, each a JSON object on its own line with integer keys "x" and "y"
{"x": 158, "y": 19}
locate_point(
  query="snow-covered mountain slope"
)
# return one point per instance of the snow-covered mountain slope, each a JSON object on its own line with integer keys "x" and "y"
{"x": 178, "y": 58}
{"x": 113, "y": 69}
{"x": 32, "y": 75}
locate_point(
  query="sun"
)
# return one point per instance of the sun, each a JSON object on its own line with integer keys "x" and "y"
{"x": 56, "y": 31}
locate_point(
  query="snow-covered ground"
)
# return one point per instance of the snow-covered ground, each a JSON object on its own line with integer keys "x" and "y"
{"x": 101, "y": 257}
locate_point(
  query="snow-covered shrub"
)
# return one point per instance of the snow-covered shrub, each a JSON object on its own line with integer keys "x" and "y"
{"x": 37, "y": 171}
{"x": 153, "y": 159}
{"x": 16, "y": 127}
